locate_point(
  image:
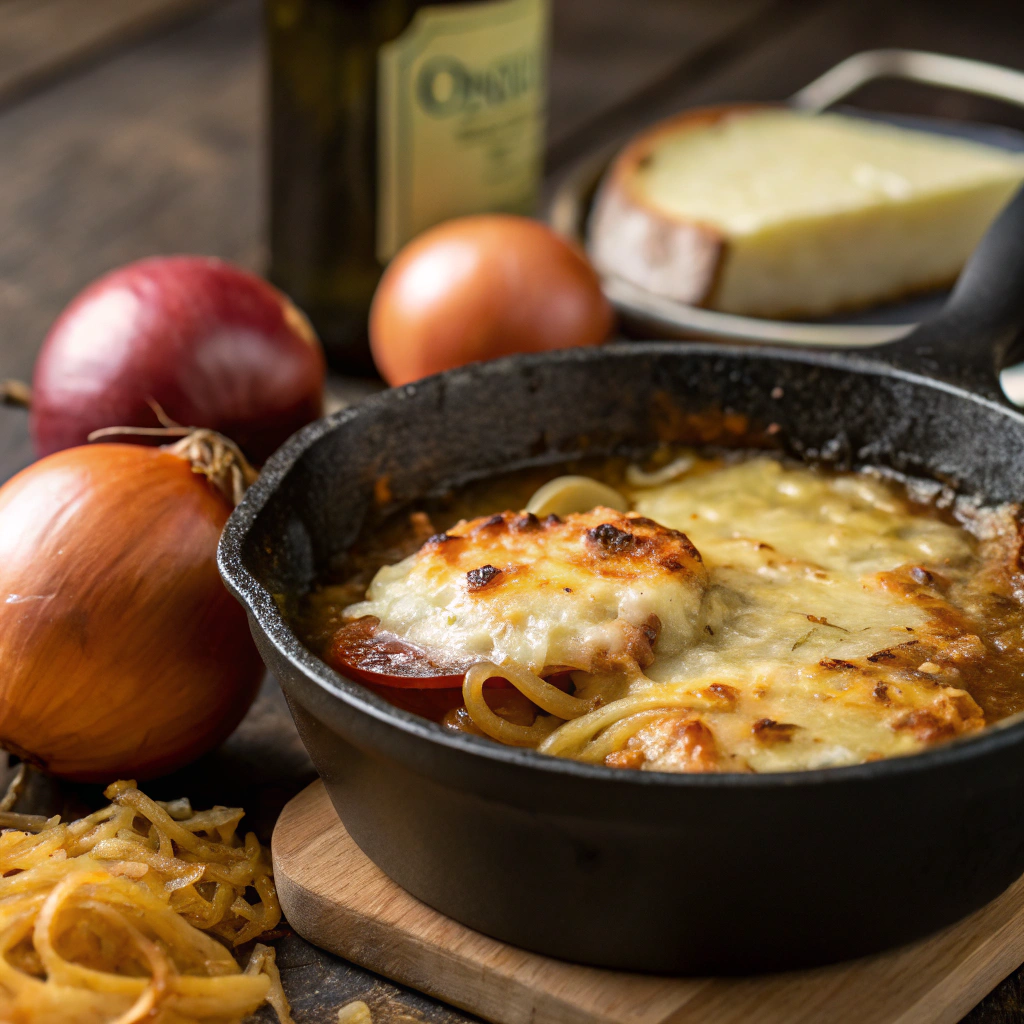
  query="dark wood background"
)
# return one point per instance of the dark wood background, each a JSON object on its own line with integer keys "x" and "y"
{"x": 134, "y": 127}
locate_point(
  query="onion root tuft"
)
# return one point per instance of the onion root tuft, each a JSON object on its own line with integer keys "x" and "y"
{"x": 15, "y": 393}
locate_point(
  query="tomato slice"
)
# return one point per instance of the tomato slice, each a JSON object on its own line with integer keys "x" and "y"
{"x": 360, "y": 651}
{"x": 436, "y": 703}
{"x": 396, "y": 669}
{"x": 430, "y": 703}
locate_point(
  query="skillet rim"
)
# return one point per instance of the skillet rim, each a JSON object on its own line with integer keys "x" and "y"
{"x": 264, "y": 612}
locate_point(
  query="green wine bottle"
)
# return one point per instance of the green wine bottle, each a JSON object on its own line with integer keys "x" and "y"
{"x": 386, "y": 117}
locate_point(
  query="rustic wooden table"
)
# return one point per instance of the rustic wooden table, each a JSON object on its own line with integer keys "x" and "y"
{"x": 134, "y": 127}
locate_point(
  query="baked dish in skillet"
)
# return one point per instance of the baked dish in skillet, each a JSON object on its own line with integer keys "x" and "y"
{"x": 696, "y": 614}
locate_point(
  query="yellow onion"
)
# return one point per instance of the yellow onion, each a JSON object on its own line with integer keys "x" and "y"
{"x": 121, "y": 652}
{"x": 481, "y": 287}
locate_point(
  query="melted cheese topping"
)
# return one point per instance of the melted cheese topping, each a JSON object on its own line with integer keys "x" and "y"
{"x": 581, "y": 593}
{"x": 745, "y": 617}
{"x": 801, "y": 598}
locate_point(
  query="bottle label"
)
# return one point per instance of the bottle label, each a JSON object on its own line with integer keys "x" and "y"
{"x": 461, "y": 102}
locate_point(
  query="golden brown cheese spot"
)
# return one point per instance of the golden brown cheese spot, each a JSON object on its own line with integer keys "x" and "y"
{"x": 678, "y": 742}
{"x": 952, "y": 713}
{"x": 437, "y": 540}
{"x": 609, "y": 540}
{"x": 717, "y": 695}
{"x": 477, "y": 579}
{"x": 767, "y": 730}
{"x": 590, "y": 591}
{"x": 604, "y": 541}
{"x": 637, "y": 643}
{"x": 630, "y": 757}
{"x": 724, "y": 692}
{"x": 836, "y": 665}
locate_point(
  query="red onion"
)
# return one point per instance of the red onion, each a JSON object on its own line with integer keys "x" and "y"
{"x": 211, "y": 344}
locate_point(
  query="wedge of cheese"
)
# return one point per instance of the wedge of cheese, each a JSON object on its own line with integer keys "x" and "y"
{"x": 765, "y": 211}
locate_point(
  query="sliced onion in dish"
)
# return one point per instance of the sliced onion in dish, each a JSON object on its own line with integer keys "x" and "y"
{"x": 637, "y": 477}
{"x": 490, "y": 722}
{"x": 567, "y": 494}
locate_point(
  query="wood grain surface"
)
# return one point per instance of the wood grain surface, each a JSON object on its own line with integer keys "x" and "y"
{"x": 335, "y": 897}
{"x": 41, "y": 40}
{"x": 600, "y": 56}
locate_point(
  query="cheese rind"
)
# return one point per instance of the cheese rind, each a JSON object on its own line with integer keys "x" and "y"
{"x": 770, "y": 212}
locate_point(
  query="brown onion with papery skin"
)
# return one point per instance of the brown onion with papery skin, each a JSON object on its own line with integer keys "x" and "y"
{"x": 122, "y": 653}
{"x": 209, "y": 343}
{"x": 480, "y": 287}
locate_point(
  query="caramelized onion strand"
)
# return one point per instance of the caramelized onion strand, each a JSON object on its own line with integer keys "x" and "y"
{"x": 101, "y": 918}
{"x": 493, "y": 724}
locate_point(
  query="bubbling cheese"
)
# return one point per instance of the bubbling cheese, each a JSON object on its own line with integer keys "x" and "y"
{"x": 821, "y": 610}
{"x": 588, "y": 591}
{"x": 746, "y": 616}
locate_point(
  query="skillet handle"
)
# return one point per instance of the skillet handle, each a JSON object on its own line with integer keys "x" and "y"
{"x": 968, "y": 341}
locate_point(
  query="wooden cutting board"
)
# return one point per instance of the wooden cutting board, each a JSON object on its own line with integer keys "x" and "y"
{"x": 336, "y": 898}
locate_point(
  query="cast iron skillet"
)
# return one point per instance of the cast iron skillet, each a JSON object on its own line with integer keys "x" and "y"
{"x": 638, "y": 870}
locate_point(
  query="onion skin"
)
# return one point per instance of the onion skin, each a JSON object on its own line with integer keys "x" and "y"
{"x": 213, "y": 345}
{"x": 123, "y": 654}
{"x": 481, "y": 287}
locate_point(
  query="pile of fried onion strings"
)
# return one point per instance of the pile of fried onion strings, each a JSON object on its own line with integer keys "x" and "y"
{"x": 130, "y": 914}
